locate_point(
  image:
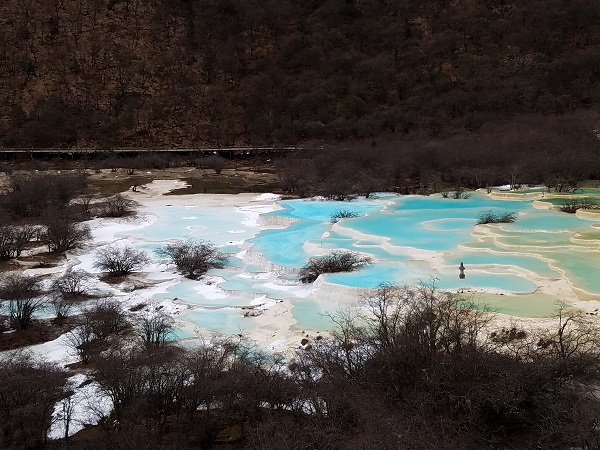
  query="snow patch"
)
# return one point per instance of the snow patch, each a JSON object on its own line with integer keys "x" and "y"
{"x": 86, "y": 406}
{"x": 267, "y": 196}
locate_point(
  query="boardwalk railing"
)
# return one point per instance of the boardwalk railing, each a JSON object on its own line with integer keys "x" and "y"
{"x": 201, "y": 150}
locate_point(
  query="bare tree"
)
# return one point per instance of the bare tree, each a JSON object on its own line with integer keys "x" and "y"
{"x": 82, "y": 342}
{"x": 106, "y": 318}
{"x": 60, "y": 233}
{"x": 62, "y": 306}
{"x": 385, "y": 321}
{"x": 575, "y": 334}
{"x": 215, "y": 162}
{"x": 120, "y": 261}
{"x": 349, "y": 345}
{"x": 433, "y": 321}
{"x": 193, "y": 258}
{"x": 31, "y": 195}
{"x": 24, "y": 296}
{"x": 72, "y": 283}
{"x": 28, "y": 392}
{"x": 14, "y": 239}
{"x": 85, "y": 204}
{"x": 154, "y": 328}
{"x": 143, "y": 383}
{"x": 66, "y": 413}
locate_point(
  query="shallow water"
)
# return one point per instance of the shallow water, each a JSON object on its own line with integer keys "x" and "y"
{"x": 224, "y": 226}
{"x": 410, "y": 239}
{"x": 313, "y": 316}
{"x": 225, "y": 321}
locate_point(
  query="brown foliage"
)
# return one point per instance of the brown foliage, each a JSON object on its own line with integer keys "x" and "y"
{"x": 571, "y": 206}
{"x": 417, "y": 372}
{"x": 31, "y": 195}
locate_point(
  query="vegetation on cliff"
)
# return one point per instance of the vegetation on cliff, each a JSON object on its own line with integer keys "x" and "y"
{"x": 183, "y": 73}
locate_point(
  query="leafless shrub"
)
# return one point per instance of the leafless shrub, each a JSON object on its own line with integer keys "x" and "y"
{"x": 62, "y": 306}
{"x": 28, "y": 392}
{"x": 342, "y": 214}
{"x": 66, "y": 290}
{"x": 31, "y": 195}
{"x": 14, "y": 239}
{"x": 490, "y": 216}
{"x": 460, "y": 194}
{"x": 107, "y": 317}
{"x": 574, "y": 336}
{"x": 120, "y": 261}
{"x": 339, "y": 189}
{"x": 336, "y": 261}
{"x": 72, "y": 283}
{"x": 193, "y": 258}
{"x": 96, "y": 324}
{"x": 215, "y": 162}
{"x": 143, "y": 383}
{"x": 562, "y": 182}
{"x": 85, "y": 205}
{"x": 117, "y": 206}
{"x": 82, "y": 343}
{"x": 154, "y": 328}
{"x": 23, "y": 296}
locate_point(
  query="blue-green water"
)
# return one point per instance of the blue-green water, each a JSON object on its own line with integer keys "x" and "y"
{"x": 222, "y": 226}
{"x": 284, "y": 247}
{"x": 225, "y": 321}
{"x": 538, "y": 241}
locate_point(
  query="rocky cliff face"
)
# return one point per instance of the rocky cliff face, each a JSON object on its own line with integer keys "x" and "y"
{"x": 185, "y": 72}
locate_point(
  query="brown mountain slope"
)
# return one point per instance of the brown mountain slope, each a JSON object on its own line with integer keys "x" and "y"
{"x": 180, "y": 73}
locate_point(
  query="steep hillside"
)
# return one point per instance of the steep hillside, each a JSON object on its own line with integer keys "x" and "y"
{"x": 185, "y": 72}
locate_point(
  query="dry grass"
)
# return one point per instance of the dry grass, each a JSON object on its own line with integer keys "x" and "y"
{"x": 229, "y": 181}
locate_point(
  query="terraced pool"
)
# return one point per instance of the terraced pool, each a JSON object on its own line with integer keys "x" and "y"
{"x": 410, "y": 239}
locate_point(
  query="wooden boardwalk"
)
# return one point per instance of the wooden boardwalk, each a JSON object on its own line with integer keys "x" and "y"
{"x": 228, "y": 151}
